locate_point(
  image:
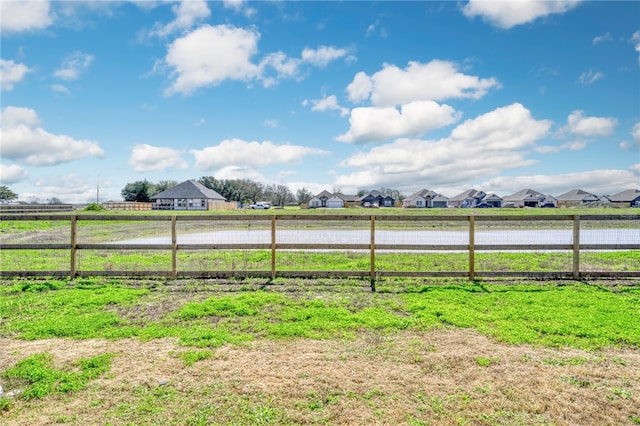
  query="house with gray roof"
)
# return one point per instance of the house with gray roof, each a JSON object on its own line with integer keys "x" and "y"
{"x": 576, "y": 197}
{"x": 469, "y": 198}
{"x": 529, "y": 198}
{"x": 419, "y": 199}
{"x": 628, "y": 198}
{"x": 189, "y": 195}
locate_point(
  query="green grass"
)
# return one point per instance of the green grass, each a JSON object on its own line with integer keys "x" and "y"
{"x": 37, "y": 377}
{"x": 573, "y": 314}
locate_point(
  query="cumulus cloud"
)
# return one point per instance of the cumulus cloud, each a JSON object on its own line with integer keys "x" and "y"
{"x": 235, "y": 172}
{"x": 74, "y": 65}
{"x": 635, "y": 38}
{"x": 483, "y": 146}
{"x": 12, "y": 173}
{"x": 635, "y": 139}
{"x": 240, "y": 6}
{"x": 188, "y": 13}
{"x": 601, "y": 39}
{"x": 590, "y": 77}
{"x": 22, "y": 16}
{"x": 239, "y": 153}
{"x": 146, "y": 158}
{"x": 590, "y": 127}
{"x": 371, "y": 124}
{"x": 11, "y": 73}
{"x": 23, "y": 140}
{"x": 322, "y": 56}
{"x": 329, "y": 103}
{"x": 601, "y": 182}
{"x": 59, "y": 88}
{"x": 437, "y": 80}
{"x": 210, "y": 55}
{"x": 508, "y": 14}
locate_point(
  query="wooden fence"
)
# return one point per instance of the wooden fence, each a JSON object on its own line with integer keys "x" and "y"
{"x": 35, "y": 208}
{"x": 369, "y": 236}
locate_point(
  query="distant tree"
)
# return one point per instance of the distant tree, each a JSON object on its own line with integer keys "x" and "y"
{"x": 253, "y": 190}
{"x": 54, "y": 200}
{"x": 34, "y": 200}
{"x": 393, "y": 193}
{"x": 140, "y": 191}
{"x": 362, "y": 193}
{"x": 163, "y": 185}
{"x": 279, "y": 195}
{"x": 303, "y": 196}
{"x": 6, "y": 194}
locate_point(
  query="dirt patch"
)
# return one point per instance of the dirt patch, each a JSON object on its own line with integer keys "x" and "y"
{"x": 441, "y": 377}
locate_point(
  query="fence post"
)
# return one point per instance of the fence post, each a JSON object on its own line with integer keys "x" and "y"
{"x": 74, "y": 246}
{"x": 372, "y": 249}
{"x": 472, "y": 238}
{"x": 273, "y": 247}
{"x": 174, "y": 248}
{"x": 576, "y": 247}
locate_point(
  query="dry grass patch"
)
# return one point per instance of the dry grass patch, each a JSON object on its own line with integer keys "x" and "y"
{"x": 439, "y": 377}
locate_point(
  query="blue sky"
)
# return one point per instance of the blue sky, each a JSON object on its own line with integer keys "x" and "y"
{"x": 497, "y": 96}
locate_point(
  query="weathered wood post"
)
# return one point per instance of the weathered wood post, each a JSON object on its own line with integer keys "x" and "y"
{"x": 273, "y": 247}
{"x": 74, "y": 247}
{"x": 576, "y": 247}
{"x": 372, "y": 249}
{"x": 472, "y": 239}
{"x": 174, "y": 248}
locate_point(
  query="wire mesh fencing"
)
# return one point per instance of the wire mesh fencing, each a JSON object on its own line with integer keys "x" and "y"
{"x": 561, "y": 246}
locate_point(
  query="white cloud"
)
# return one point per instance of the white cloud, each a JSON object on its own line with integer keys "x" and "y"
{"x": 589, "y": 127}
{"x": 239, "y": 153}
{"x": 59, "y": 88}
{"x": 437, "y": 80}
{"x": 329, "y": 103}
{"x": 210, "y": 55}
{"x": 601, "y": 39}
{"x": 635, "y": 38}
{"x": 635, "y": 135}
{"x": 19, "y": 16}
{"x": 146, "y": 158}
{"x": 235, "y": 172}
{"x": 370, "y": 124}
{"x": 590, "y": 77}
{"x": 12, "y": 173}
{"x": 360, "y": 88}
{"x": 69, "y": 188}
{"x": 188, "y": 13}
{"x": 240, "y": 6}
{"x": 484, "y": 146}
{"x": 23, "y": 140}
{"x": 11, "y": 73}
{"x": 600, "y": 182}
{"x": 270, "y": 123}
{"x": 507, "y": 14}
{"x": 74, "y": 65}
{"x": 322, "y": 56}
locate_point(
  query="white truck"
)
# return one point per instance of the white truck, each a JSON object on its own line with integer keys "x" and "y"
{"x": 259, "y": 205}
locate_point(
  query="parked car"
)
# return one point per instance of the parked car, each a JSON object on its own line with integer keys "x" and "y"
{"x": 257, "y": 206}
{"x": 484, "y": 206}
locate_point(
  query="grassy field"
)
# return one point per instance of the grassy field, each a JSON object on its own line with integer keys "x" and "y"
{"x": 104, "y": 351}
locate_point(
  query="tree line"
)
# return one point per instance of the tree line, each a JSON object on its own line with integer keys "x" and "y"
{"x": 245, "y": 191}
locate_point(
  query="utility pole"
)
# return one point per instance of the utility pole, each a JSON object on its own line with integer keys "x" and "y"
{"x": 97, "y": 194}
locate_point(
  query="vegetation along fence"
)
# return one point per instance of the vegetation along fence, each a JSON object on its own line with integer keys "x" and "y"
{"x": 373, "y": 246}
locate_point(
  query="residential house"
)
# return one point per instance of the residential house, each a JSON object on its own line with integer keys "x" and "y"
{"x": 440, "y": 201}
{"x": 189, "y": 195}
{"x": 529, "y": 198}
{"x": 420, "y": 199}
{"x": 469, "y": 198}
{"x": 376, "y": 199}
{"x": 339, "y": 200}
{"x": 628, "y": 198}
{"x": 320, "y": 200}
{"x": 576, "y": 197}
{"x": 493, "y": 200}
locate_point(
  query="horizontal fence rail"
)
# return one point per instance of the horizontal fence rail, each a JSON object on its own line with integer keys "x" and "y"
{"x": 373, "y": 246}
